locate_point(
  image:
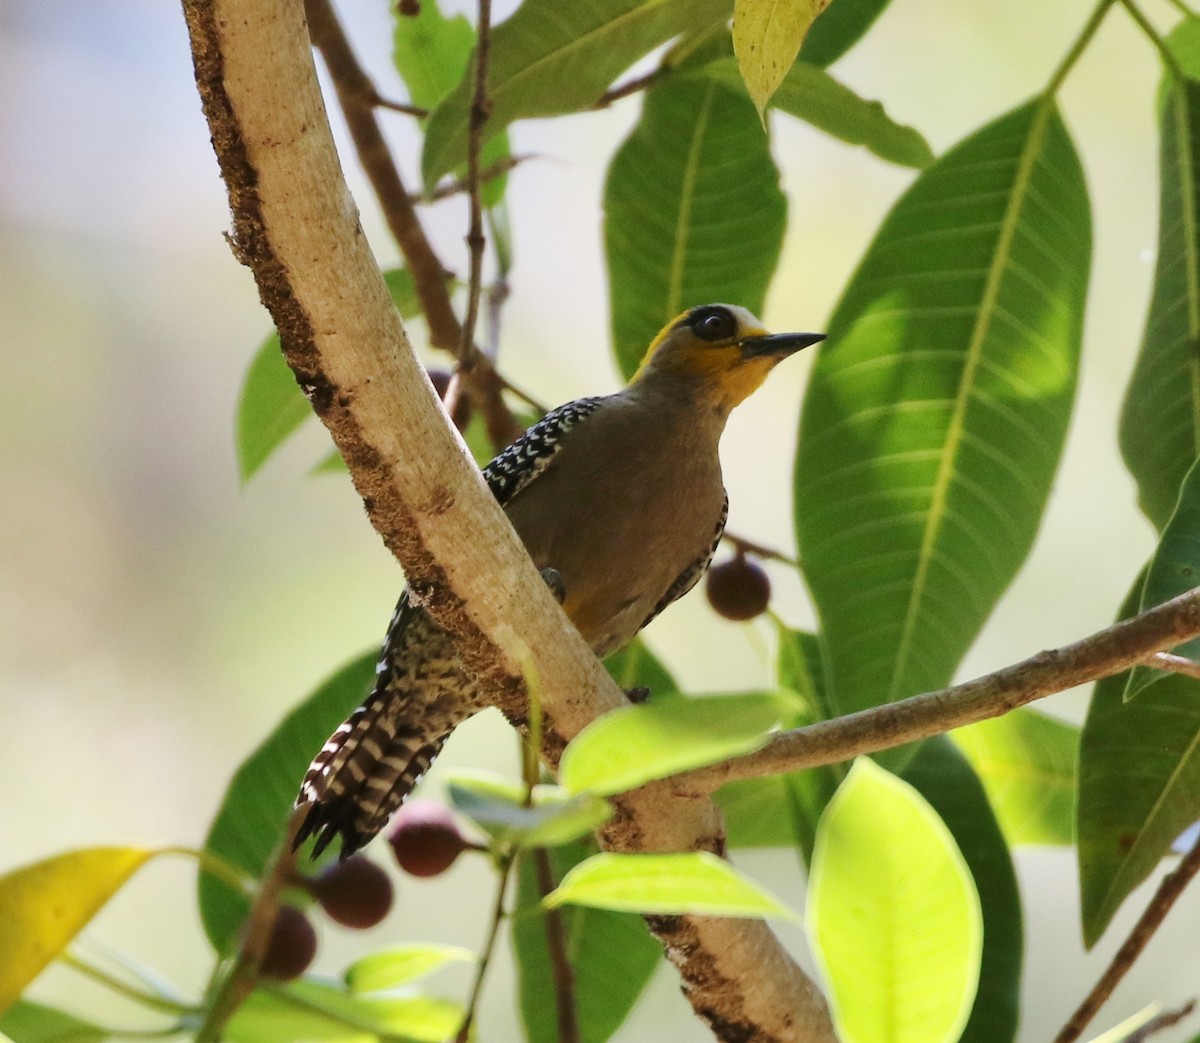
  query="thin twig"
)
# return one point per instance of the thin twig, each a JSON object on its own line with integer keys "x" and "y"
{"x": 1176, "y": 664}
{"x": 241, "y": 977}
{"x": 124, "y": 988}
{"x": 1168, "y": 892}
{"x": 380, "y": 102}
{"x": 638, "y": 83}
{"x": 561, "y": 970}
{"x": 480, "y": 106}
{"x": 504, "y": 871}
{"x": 758, "y": 549}
{"x": 1110, "y": 651}
{"x": 1182, "y": 8}
{"x": 1157, "y": 1024}
{"x": 1152, "y": 34}
{"x": 1078, "y": 47}
{"x": 457, "y": 186}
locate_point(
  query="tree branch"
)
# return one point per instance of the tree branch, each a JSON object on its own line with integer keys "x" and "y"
{"x": 296, "y": 226}
{"x": 480, "y": 106}
{"x": 357, "y": 96}
{"x": 1110, "y": 651}
{"x": 1172, "y": 886}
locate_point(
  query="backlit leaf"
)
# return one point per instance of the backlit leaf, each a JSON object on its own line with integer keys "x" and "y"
{"x": 766, "y": 39}
{"x": 893, "y": 914}
{"x": 26, "y": 1022}
{"x": 312, "y": 1011}
{"x": 943, "y": 777}
{"x": 632, "y": 745}
{"x": 402, "y": 964}
{"x": 1026, "y": 762}
{"x": 697, "y": 882}
{"x": 45, "y": 905}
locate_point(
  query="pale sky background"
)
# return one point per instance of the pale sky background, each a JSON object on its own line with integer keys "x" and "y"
{"x": 156, "y": 619}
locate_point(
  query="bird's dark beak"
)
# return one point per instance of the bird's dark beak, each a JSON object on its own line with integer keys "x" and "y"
{"x": 777, "y": 345}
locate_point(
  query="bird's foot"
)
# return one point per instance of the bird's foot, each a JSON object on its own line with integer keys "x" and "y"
{"x": 637, "y": 694}
{"x": 554, "y": 581}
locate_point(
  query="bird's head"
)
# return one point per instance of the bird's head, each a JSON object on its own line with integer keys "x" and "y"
{"x": 719, "y": 352}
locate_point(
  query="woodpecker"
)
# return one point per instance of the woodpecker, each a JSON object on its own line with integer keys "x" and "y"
{"x": 619, "y": 501}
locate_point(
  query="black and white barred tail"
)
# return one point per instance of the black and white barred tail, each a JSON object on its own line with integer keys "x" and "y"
{"x": 373, "y": 760}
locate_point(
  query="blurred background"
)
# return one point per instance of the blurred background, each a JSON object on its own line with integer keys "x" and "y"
{"x": 157, "y": 618}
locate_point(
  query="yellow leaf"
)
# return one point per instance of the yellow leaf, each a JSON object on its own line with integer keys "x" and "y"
{"x": 766, "y": 39}
{"x": 43, "y": 906}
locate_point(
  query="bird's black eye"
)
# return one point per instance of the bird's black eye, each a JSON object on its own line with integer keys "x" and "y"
{"x": 714, "y": 324}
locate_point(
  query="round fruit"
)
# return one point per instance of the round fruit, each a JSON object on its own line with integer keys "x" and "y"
{"x": 425, "y": 838}
{"x": 290, "y": 947}
{"x": 738, "y": 589}
{"x": 355, "y": 893}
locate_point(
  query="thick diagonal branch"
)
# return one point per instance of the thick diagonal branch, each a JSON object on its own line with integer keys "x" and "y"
{"x": 296, "y": 226}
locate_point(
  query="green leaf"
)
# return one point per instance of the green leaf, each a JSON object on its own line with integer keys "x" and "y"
{"x": 942, "y": 776}
{"x": 936, "y": 414}
{"x": 43, "y": 906}
{"x": 766, "y": 39}
{"x": 306, "y": 1010}
{"x": 1160, "y": 420}
{"x": 26, "y": 1022}
{"x": 254, "y": 813}
{"x": 783, "y": 811}
{"x": 1139, "y": 787}
{"x": 605, "y": 988}
{"x": 635, "y": 666}
{"x": 402, "y": 965}
{"x": 551, "y": 58}
{"x": 1174, "y": 569}
{"x": 1184, "y": 43}
{"x": 632, "y": 745}
{"x": 799, "y": 669}
{"x": 696, "y": 883}
{"x": 893, "y": 915}
{"x": 841, "y": 25}
{"x": 693, "y": 211}
{"x": 811, "y": 94}
{"x": 271, "y": 405}
{"x": 556, "y": 817}
{"x": 431, "y": 53}
{"x": 1026, "y": 761}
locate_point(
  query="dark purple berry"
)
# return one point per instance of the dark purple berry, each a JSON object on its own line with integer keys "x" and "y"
{"x": 355, "y": 893}
{"x": 290, "y": 947}
{"x": 425, "y": 838}
{"x": 738, "y": 589}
